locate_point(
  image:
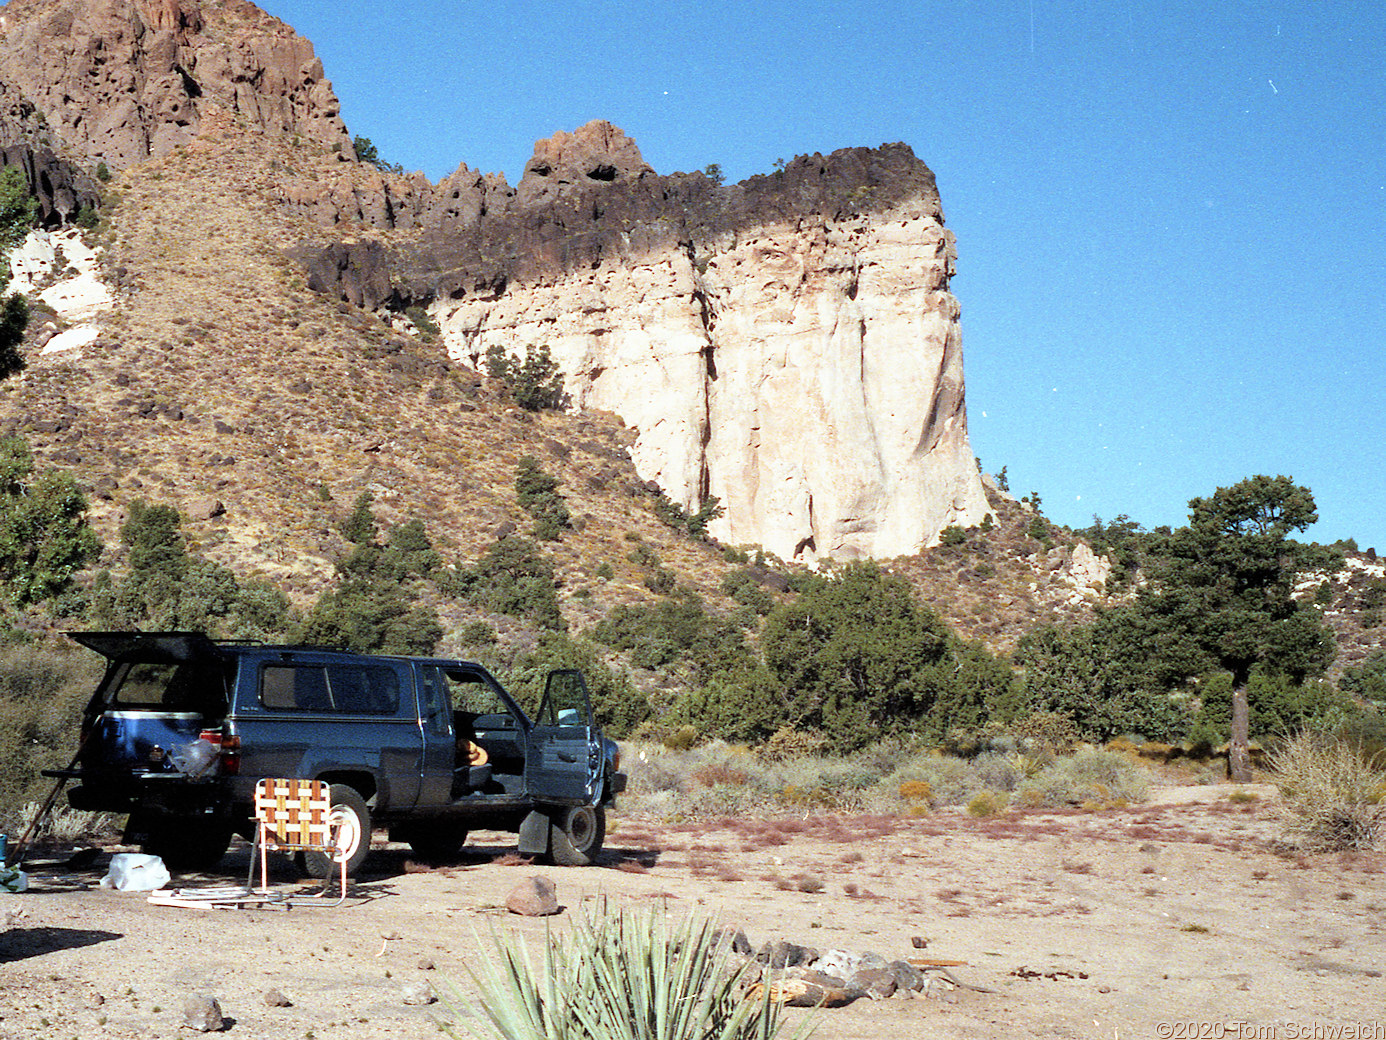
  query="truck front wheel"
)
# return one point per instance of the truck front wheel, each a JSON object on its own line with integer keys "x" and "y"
{"x": 577, "y": 835}
{"x": 353, "y": 820}
{"x": 438, "y": 840}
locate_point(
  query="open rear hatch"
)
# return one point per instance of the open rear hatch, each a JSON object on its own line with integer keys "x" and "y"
{"x": 159, "y": 708}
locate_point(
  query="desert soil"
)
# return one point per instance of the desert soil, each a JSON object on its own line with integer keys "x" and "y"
{"x": 1184, "y": 917}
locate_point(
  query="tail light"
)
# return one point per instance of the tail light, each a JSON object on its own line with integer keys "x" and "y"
{"x": 230, "y": 748}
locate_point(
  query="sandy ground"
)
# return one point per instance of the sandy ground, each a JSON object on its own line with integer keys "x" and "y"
{"x": 1179, "y": 919}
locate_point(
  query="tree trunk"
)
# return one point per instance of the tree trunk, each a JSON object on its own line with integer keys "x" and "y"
{"x": 1238, "y": 756}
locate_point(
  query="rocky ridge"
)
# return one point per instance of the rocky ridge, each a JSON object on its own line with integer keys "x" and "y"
{"x": 787, "y": 345}
{"x": 123, "y": 80}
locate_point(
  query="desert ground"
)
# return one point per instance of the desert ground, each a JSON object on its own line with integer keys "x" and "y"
{"x": 1184, "y": 917}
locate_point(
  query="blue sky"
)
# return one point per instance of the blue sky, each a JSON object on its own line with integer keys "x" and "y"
{"x": 1171, "y": 215}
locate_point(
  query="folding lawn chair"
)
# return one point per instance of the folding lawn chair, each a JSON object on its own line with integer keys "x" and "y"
{"x": 290, "y": 816}
{"x": 296, "y": 816}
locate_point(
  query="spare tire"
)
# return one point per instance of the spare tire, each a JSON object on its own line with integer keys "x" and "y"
{"x": 353, "y": 817}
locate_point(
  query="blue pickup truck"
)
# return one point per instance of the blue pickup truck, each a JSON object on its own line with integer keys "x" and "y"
{"x": 182, "y": 726}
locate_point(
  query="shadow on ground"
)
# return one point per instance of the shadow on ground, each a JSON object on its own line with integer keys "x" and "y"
{"x": 18, "y": 943}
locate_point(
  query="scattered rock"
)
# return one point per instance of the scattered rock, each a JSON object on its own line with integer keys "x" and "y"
{"x": 838, "y": 962}
{"x": 533, "y": 897}
{"x": 419, "y": 994}
{"x": 907, "y": 977}
{"x": 876, "y": 983}
{"x": 275, "y": 998}
{"x": 426, "y": 964}
{"x": 204, "y": 508}
{"x": 203, "y": 1013}
{"x": 783, "y": 954}
{"x": 738, "y": 942}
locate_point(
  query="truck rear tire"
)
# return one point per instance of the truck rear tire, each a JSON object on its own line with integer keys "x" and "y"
{"x": 197, "y": 844}
{"x": 577, "y": 836}
{"x": 350, "y": 811}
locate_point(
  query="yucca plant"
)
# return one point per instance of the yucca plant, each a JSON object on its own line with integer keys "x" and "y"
{"x": 621, "y": 975}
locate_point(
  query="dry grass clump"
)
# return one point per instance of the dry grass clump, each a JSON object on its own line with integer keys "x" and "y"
{"x": 986, "y": 803}
{"x": 1333, "y": 791}
{"x": 1092, "y": 779}
{"x": 933, "y": 779}
{"x": 718, "y": 779}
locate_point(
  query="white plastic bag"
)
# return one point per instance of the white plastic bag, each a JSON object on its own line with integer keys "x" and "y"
{"x": 195, "y": 759}
{"x": 135, "y": 872}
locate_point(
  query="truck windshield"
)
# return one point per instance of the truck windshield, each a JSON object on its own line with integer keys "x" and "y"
{"x": 198, "y": 686}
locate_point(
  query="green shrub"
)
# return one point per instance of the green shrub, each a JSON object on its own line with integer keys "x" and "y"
{"x": 511, "y": 577}
{"x": 536, "y": 383}
{"x": 742, "y": 586}
{"x": 18, "y": 208}
{"x": 1048, "y": 733}
{"x": 952, "y": 535}
{"x": 44, "y": 536}
{"x": 476, "y": 633}
{"x": 428, "y": 328}
{"x": 14, "y": 319}
{"x": 537, "y": 493}
{"x": 619, "y": 706}
{"x": 674, "y": 629}
{"x": 374, "y": 606}
{"x": 43, "y": 688}
{"x": 739, "y": 703}
{"x": 642, "y": 555}
{"x": 1368, "y": 679}
{"x": 695, "y": 524}
{"x": 853, "y": 651}
{"x": 103, "y": 173}
{"x": 166, "y": 587}
{"x": 661, "y": 580}
{"x": 1333, "y": 790}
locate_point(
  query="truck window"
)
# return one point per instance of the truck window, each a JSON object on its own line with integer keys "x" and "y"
{"x": 473, "y": 694}
{"x": 188, "y": 686}
{"x": 364, "y": 689}
{"x": 565, "y": 700}
{"x": 290, "y": 686}
{"x": 433, "y": 694}
{"x": 349, "y": 688}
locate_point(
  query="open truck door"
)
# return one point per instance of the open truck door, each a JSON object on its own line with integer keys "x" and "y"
{"x": 563, "y": 759}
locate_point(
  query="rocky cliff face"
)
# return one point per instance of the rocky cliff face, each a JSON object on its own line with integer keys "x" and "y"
{"x": 787, "y": 345}
{"x": 122, "y": 80}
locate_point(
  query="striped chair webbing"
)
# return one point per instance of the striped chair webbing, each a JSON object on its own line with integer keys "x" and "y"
{"x": 295, "y": 813}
